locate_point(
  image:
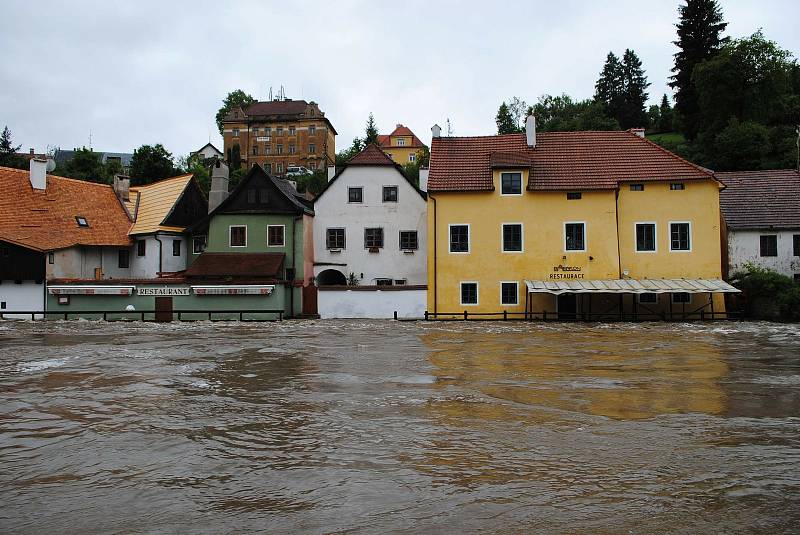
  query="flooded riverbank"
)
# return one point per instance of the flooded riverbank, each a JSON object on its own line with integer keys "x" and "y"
{"x": 370, "y": 426}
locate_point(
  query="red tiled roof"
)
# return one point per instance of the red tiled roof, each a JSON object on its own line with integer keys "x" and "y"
{"x": 385, "y": 141}
{"x": 252, "y": 265}
{"x": 560, "y": 161}
{"x": 45, "y": 220}
{"x": 760, "y": 199}
{"x": 371, "y": 155}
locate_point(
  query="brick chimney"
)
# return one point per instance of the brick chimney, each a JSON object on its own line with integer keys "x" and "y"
{"x": 38, "y": 173}
{"x": 219, "y": 185}
{"x": 122, "y": 187}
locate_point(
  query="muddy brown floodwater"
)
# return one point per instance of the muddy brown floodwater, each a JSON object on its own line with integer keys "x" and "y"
{"x": 375, "y": 427}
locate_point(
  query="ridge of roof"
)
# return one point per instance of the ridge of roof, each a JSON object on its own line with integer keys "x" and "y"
{"x": 757, "y": 200}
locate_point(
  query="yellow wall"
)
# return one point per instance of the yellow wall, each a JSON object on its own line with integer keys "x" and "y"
{"x": 543, "y": 215}
{"x": 400, "y": 154}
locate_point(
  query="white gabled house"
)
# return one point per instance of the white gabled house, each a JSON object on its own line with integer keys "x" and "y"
{"x": 370, "y": 228}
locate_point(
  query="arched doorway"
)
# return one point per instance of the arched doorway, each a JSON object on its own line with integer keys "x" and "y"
{"x": 331, "y": 277}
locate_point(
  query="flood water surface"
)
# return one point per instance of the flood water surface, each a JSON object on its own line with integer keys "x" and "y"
{"x": 374, "y": 427}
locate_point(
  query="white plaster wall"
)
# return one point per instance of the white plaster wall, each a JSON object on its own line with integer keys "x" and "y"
{"x": 111, "y": 269}
{"x": 146, "y": 267}
{"x": 374, "y": 304}
{"x": 745, "y": 246}
{"x": 174, "y": 263}
{"x": 333, "y": 211}
{"x": 25, "y": 296}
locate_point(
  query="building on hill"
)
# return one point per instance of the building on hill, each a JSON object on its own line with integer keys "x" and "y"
{"x": 61, "y": 157}
{"x": 761, "y": 220}
{"x": 402, "y": 145}
{"x": 278, "y": 134}
{"x": 370, "y": 226}
{"x": 574, "y": 224}
{"x": 209, "y": 151}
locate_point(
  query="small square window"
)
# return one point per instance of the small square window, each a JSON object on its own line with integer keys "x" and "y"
{"x": 275, "y": 235}
{"x": 141, "y": 248}
{"x": 238, "y": 236}
{"x": 573, "y": 195}
{"x": 637, "y": 187}
{"x": 459, "y": 238}
{"x": 511, "y": 183}
{"x": 2, "y": 305}
{"x": 124, "y": 260}
{"x": 509, "y": 293}
{"x": 389, "y": 193}
{"x": 355, "y": 194}
{"x": 512, "y": 237}
{"x": 574, "y": 237}
{"x": 677, "y": 186}
{"x": 335, "y": 238}
{"x": 648, "y": 299}
{"x": 198, "y": 244}
{"x": 682, "y": 297}
{"x": 769, "y": 245}
{"x": 81, "y": 221}
{"x": 373, "y": 238}
{"x": 176, "y": 247}
{"x": 408, "y": 240}
{"x": 279, "y": 168}
{"x": 469, "y": 293}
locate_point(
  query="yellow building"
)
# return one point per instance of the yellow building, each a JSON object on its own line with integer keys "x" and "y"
{"x": 594, "y": 225}
{"x": 402, "y": 145}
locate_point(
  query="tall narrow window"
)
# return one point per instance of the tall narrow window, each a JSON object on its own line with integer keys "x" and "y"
{"x": 796, "y": 245}
{"x": 373, "y": 237}
{"x": 408, "y": 240}
{"x": 176, "y": 247}
{"x": 141, "y": 248}
{"x": 459, "y": 238}
{"x": 238, "y": 236}
{"x": 312, "y": 130}
{"x": 680, "y": 239}
{"x": 335, "y": 238}
{"x": 769, "y": 245}
{"x": 574, "y": 237}
{"x": 198, "y": 244}
{"x": 509, "y": 293}
{"x": 512, "y": 237}
{"x": 511, "y": 183}
{"x": 124, "y": 260}
{"x": 312, "y": 148}
{"x": 645, "y": 237}
{"x": 275, "y": 235}
{"x": 469, "y": 293}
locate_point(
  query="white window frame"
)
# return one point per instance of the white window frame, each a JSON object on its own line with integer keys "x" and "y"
{"x": 229, "y": 236}
{"x": 469, "y": 239}
{"x": 564, "y": 237}
{"x": 477, "y": 294}
{"x": 522, "y": 238}
{"x": 283, "y": 232}
{"x": 672, "y": 298}
{"x": 516, "y": 303}
{"x": 400, "y": 142}
{"x": 655, "y": 237}
{"x": 412, "y": 157}
{"x": 691, "y": 237}
{"x": 521, "y": 182}
{"x": 639, "y": 299}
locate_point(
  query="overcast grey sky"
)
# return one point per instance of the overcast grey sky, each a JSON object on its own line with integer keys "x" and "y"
{"x": 140, "y": 72}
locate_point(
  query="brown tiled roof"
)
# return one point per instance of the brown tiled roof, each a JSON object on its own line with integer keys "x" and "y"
{"x": 251, "y": 265}
{"x": 371, "y": 155}
{"x": 277, "y": 107}
{"x": 761, "y": 199}
{"x": 560, "y": 161}
{"x": 385, "y": 141}
{"x": 45, "y": 220}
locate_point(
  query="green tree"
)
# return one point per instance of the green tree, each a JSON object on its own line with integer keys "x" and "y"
{"x": 699, "y": 38}
{"x": 86, "y": 165}
{"x": 235, "y": 157}
{"x": 196, "y": 165}
{"x": 562, "y": 114}
{"x": 371, "y": 131}
{"x": 237, "y": 98}
{"x": 741, "y": 146}
{"x": 151, "y": 163}
{"x": 609, "y": 89}
{"x": 665, "y": 116}
{"x": 634, "y": 92}
{"x": 504, "y": 120}
{"x": 8, "y": 152}
{"x": 313, "y": 183}
{"x": 653, "y": 117}
{"x": 344, "y": 155}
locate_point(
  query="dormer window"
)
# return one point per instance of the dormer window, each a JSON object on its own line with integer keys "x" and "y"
{"x": 401, "y": 142}
{"x": 511, "y": 183}
{"x": 81, "y": 221}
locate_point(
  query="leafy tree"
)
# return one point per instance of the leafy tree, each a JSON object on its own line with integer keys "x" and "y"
{"x": 235, "y": 157}
{"x": 371, "y": 132}
{"x": 8, "y": 152}
{"x": 664, "y": 116}
{"x": 237, "y": 98}
{"x": 151, "y": 163}
{"x": 653, "y": 116}
{"x": 634, "y": 92}
{"x": 562, "y": 114}
{"x": 86, "y": 165}
{"x": 518, "y": 109}
{"x": 741, "y": 146}
{"x": 699, "y": 38}
{"x": 610, "y": 87}
{"x": 314, "y": 182}
{"x": 504, "y": 120}
{"x": 344, "y": 155}
{"x": 196, "y": 165}
{"x": 235, "y": 177}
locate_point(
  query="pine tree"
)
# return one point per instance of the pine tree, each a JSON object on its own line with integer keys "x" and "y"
{"x": 8, "y": 152}
{"x": 609, "y": 87}
{"x": 504, "y": 120}
{"x": 371, "y": 132}
{"x": 699, "y": 38}
{"x": 634, "y": 92}
{"x": 665, "y": 119}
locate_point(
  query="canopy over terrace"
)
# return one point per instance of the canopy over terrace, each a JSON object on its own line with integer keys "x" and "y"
{"x": 630, "y": 286}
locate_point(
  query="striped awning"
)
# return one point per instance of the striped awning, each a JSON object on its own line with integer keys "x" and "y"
{"x": 84, "y": 289}
{"x": 234, "y": 289}
{"x": 630, "y": 286}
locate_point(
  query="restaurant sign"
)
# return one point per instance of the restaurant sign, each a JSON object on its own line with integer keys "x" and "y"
{"x": 566, "y": 272}
{"x": 164, "y": 290}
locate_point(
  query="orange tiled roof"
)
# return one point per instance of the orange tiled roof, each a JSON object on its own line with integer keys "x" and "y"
{"x": 371, "y": 155}
{"x": 45, "y": 220}
{"x": 385, "y": 141}
{"x": 560, "y": 161}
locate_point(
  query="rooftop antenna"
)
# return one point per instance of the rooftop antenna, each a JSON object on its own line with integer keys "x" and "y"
{"x": 90, "y": 139}
{"x": 449, "y": 128}
{"x": 270, "y": 93}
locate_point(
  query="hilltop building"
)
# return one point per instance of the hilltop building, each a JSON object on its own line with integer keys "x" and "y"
{"x": 762, "y": 220}
{"x": 402, "y": 145}
{"x": 278, "y": 134}
{"x": 370, "y": 231}
{"x": 578, "y": 224}
{"x": 209, "y": 151}
{"x": 61, "y": 157}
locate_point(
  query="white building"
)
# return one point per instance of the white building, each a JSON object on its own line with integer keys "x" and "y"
{"x": 208, "y": 151}
{"x": 762, "y": 220}
{"x": 370, "y": 228}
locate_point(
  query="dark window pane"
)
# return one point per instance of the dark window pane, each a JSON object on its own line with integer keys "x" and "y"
{"x": 769, "y": 245}
{"x": 645, "y": 237}
{"x": 637, "y": 187}
{"x": 373, "y": 237}
{"x": 176, "y": 247}
{"x": 509, "y": 293}
{"x": 389, "y": 193}
{"x": 335, "y": 238}
{"x": 681, "y": 297}
{"x": 573, "y": 195}
{"x": 124, "y": 258}
{"x": 408, "y": 239}
{"x": 469, "y": 293}
{"x": 141, "y": 248}
{"x": 198, "y": 244}
{"x": 796, "y": 244}
{"x": 512, "y": 237}
{"x": 238, "y": 237}
{"x": 679, "y": 237}
{"x": 251, "y": 196}
{"x": 459, "y": 239}
{"x": 355, "y": 194}
{"x": 677, "y": 186}
{"x": 263, "y": 196}
{"x": 511, "y": 183}
{"x": 574, "y": 237}
{"x": 275, "y": 235}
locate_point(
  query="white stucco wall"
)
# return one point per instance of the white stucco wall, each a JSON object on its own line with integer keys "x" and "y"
{"x": 146, "y": 267}
{"x": 409, "y": 213}
{"x": 25, "y": 296}
{"x": 745, "y": 246}
{"x": 376, "y": 304}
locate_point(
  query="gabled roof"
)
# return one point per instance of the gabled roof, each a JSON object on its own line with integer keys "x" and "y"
{"x": 209, "y": 144}
{"x": 560, "y": 161}
{"x": 385, "y": 141}
{"x": 287, "y": 110}
{"x": 761, "y": 199}
{"x": 152, "y": 203}
{"x": 45, "y": 220}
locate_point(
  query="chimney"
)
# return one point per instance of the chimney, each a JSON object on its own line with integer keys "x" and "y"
{"x": 30, "y": 151}
{"x": 399, "y": 125}
{"x": 122, "y": 187}
{"x": 38, "y": 173}
{"x": 219, "y": 185}
{"x": 423, "y": 178}
{"x": 638, "y": 131}
{"x": 331, "y": 172}
{"x": 436, "y": 130}
{"x": 530, "y": 131}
